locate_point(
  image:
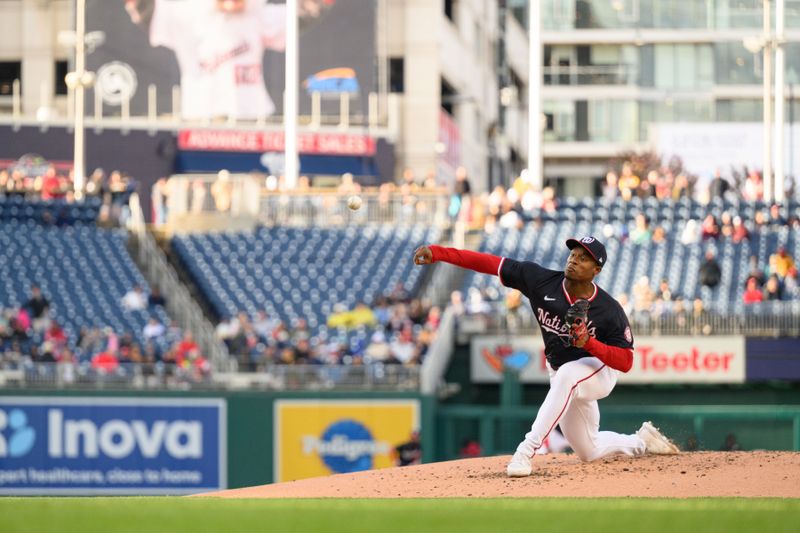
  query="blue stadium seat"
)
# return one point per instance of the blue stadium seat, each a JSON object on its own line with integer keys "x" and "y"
{"x": 302, "y": 272}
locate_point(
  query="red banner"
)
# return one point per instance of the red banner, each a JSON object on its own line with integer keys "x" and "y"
{"x": 273, "y": 141}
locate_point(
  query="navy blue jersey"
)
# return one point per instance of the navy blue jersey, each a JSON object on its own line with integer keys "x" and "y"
{"x": 546, "y": 290}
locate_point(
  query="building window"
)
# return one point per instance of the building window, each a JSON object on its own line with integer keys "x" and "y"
{"x": 62, "y": 67}
{"x": 448, "y": 97}
{"x": 9, "y": 71}
{"x": 450, "y": 9}
{"x": 397, "y": 75}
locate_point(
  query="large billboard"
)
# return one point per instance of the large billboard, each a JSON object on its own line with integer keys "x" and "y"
{"x": 318, "y": 438}
{"x": 718, "y": 359}
{"x": 112, "y": 445}
{"x": 227, "y": 56}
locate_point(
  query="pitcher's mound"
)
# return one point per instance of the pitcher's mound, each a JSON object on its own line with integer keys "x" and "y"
{"x": 688, "y": 475}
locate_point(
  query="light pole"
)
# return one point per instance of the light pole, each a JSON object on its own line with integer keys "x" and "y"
{"x": 780, "y": 67}
{"x": 291, "y": 162}
{"x": 767, "y": 97}
{"x": 535, "y": 165}
{"x": 78, "y": 80}
{"x": 774, "y": 184}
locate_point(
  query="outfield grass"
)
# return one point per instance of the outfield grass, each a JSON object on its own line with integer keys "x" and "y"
{"x": 168, "y": 514}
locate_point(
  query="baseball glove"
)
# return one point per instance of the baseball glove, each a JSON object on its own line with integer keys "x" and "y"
{"x": 577, "y": 315}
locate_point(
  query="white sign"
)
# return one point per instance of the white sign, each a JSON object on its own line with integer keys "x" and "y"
{"x": 706, "y": 147}
{"x": 719, "y": 359}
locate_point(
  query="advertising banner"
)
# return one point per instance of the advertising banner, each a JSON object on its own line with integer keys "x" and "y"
{"x": 718, "y": 359}
{"x": 112, "y": 445}
{"x": 227, "y": 57}
{"x": 273, "y": 141}
{"x": 318, "y": 438}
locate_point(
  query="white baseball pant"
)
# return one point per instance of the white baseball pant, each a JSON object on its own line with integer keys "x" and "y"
{"x": 571, "y": 403}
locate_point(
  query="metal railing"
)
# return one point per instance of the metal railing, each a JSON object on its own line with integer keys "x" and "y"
{"x": 158, "y": 376}
{"x": 329, "y": 208}
{"x": 590, "y": 75}
{"x": 180, "y": 304}
{"x": 381, "y": 111}
{"x": 779, "y": 320}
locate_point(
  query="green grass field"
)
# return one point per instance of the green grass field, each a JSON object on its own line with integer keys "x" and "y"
{"x": 156, "y": 514}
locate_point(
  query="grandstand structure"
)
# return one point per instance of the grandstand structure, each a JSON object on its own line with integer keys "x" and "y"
{"x": 674, "y": 260}
{"x": 304, "y": 270}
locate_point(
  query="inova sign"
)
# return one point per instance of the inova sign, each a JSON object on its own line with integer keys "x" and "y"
{"x": 111, "y": 445}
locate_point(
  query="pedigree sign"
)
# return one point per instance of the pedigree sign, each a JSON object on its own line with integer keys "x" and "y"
{"x": 718, "y": 359}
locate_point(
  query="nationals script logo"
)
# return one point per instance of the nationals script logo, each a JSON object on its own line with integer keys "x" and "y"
{"x": 555, "y": 325}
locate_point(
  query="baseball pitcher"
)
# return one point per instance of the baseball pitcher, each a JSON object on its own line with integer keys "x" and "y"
{"x": 588, "y": 342}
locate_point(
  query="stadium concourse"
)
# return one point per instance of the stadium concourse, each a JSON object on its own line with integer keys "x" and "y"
{"x": 316, "y": 295}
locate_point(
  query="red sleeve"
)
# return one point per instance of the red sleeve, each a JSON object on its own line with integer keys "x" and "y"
{"x": 617, "y": 358}
{"x": 477, "y": 261}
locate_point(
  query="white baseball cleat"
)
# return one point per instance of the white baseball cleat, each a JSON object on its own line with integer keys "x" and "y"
{"x": 520, "y": 465}
{"x": 654, "y": 441}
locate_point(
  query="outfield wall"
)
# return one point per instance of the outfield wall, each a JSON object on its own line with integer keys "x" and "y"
{"x": 105, "y": 442}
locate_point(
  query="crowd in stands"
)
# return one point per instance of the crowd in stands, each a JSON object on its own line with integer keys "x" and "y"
{"x": 397, "y": 329}
{"x": 29, "y": 334}
{"x": 45, "y": 183}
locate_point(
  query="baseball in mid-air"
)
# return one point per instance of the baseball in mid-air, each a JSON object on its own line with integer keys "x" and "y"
{"x": 354, "y": 202}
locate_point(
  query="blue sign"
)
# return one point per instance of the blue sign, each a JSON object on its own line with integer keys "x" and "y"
{"x": 111, "y": 445}
{"x": 347, "y": 446}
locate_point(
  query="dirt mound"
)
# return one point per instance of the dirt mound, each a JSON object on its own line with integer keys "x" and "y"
{"x": 741, "y": 474}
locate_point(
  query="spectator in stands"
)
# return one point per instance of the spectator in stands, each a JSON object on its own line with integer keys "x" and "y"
{"x": 38, "y": 308}
{"x": 690, "y": 233}
{"x": 52, "y": 186}
{"x": 301, "y": 331}
{"x": 153, "y": 329}
{"x": 476, "y": 302}
{"x": 753, "y": 187}
{"x": 135, "y": 299}
{"x": 755, "y": 271}
{"x": 776, "y": 218}
{"x": 701, "y": 318}
{"x": 263, "y": 324}
{"x": 461, "y": 190}
{"x": 641, "y": 233}
{"x": 647, "y": 187}
{"x": 718, "y": 186}
{"x": 611, "y": 187}
{"x": 628, "y": 182}
{"x": 95, "y": 184}
{"x": 381, "y": 310}
{"x": 198, "y": 195}
{"x": 399, "y": 294}
{"x": 780, "y": 262}
{"x": 222, "y": 191}
{"x": 186, "y": 345}
{"x": 791, "y": 284}
{"x": 760, "y": 220}
{"x": 773, "y": 291}
{"x": 664, "y": 292}
{"x": 156, "y": 298}
{"x": 105, "y": 362}
{"x": 681, "y": 187}
{"x": 348, "y": 185}
{"x": 739, "y": 230}
{"x": 710, "y": 228}
{"x": 710, "y": 272}
{"x": 159, "y": 198}
{"x": 402, "y": 347}
{"x": 56, "y": 336}
{"x": 726, "y": 225}
{"x": 752, "y": 293}
{"x": 643, "y": 297}
{"x": 659, "y": 235}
